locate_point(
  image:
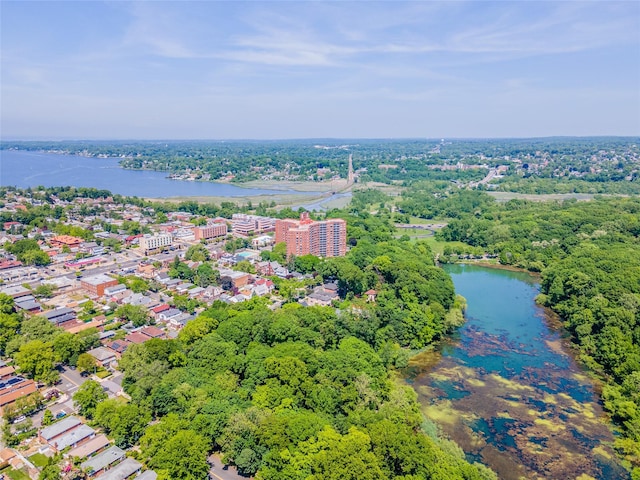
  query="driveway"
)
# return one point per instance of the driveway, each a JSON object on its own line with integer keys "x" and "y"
{"x": 220, "y": 471}
{"x": 71, "y": 380}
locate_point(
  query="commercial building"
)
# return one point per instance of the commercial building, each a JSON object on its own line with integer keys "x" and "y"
{"x": 153, "y": 242}
{"x": 211, "y": 230}
{"x": 244, "y": 224}
{"x": 65, "y": 241}
{"x": 326, "y": 238}
{"x": 98, "y": 283}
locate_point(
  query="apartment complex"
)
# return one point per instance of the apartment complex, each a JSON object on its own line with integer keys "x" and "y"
{"x": 152, "y": 242}
{"x": 244, "y": 224}
{"x": 211, "y": 230}
{"x": 326, "y": 238}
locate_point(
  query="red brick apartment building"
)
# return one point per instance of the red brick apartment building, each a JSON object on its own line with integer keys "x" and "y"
{"x": 326, "y": 238}
{"x": 212, "y": 230}
{"x": 97, "y": 283}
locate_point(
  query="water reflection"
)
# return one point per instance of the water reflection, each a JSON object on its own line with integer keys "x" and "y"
{"x": 507, "y": 392}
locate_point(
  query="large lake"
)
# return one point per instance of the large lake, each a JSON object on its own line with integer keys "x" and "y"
{"x": 508, "y": 392}
{"x": 30, "y": 169}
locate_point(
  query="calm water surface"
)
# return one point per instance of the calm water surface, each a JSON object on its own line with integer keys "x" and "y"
{"x": 506, "y": 390}
{"x": 31, "y": 169}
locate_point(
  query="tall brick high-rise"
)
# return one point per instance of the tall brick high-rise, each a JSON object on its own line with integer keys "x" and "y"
{"x": 325, "y": 238}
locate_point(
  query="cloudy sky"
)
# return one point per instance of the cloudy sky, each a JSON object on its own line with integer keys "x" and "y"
{"x": 225, "y": 70}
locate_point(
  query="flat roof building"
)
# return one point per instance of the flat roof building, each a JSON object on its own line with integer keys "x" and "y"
{"x": 154, "y": 242}
{"x": 98, "y": 283}
{"x": 326, "y": 238}
{"x": 211, "y": 230}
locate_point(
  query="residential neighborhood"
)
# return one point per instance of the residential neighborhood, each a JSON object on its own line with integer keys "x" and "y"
{"x": 123, "y": 275}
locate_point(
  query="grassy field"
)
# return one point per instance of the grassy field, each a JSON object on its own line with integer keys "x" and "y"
{"x": 15, "y": 474}
{"x": 332, "y": 186}
{"x": 506, "y": 196}
{"x": 281, "y": 200}
{"x": 38, "y": 459}
{"x": 438, "y": 246}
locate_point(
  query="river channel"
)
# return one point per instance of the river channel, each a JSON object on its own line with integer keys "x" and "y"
{"x": 507, "y": 390}
{"x": 31, "y": 169}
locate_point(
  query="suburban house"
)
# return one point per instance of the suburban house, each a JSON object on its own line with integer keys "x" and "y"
{"x": 104, "y": 356}
{"x": 125, "y": 469}
{"x": 13, "y": 387}
{"x": 53, "y": 433}
{"x": 93, "y": 446}
{"x": 60, "y": 315}
{"x": 102, "y": 461}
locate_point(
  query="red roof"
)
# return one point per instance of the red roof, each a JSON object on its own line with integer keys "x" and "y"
{"x": 137, "y": 337}
{"x": 160, "y": 308}
{"x": 153, "y": 332}
{"x": 10, "y": 264}
{"x": 370, "y": 292}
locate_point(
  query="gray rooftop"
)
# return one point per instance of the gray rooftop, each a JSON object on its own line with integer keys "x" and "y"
{"x": 103, "y": 460}
{"x": 58, "y": 312}
{"x": 59, "y": 428}
{"x": 101, "y": 353}
{"x": 147, "y": 475}
{"x": 30, "y": 305}
{"x": 123, "y": 470}
{"x": 89, "y": 448}
{"x": 15, "y": 290}
{"x": 98, "y": 279}
{"x": 74, "y": 436}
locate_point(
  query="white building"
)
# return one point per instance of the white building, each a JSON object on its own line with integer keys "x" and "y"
{"x": 152, "y": 242}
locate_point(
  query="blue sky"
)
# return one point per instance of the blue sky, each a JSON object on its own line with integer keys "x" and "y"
{"x": 224, "y": 70}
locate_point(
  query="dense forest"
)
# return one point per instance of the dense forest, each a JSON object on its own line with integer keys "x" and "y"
{"x": 588, "y": 254}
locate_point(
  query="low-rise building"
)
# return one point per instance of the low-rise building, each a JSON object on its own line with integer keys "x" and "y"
{"x": 97, "y": 284}
{"x": 102, "y": 461}
{"x": 13, "y": 388}
{"x": 58, "y": 429}
{"x": 16, "y": 291}
{"x": 89, "y": 448}
{"x": 65, "y": 241}
{"x": 60, "y": 315}
{"x": 244, "y": 224}
{"x": 238, "y": 279}
{"x": 125, "y": 469}
{"x": 74, "y": 438}
{"x": 104, "y": 356}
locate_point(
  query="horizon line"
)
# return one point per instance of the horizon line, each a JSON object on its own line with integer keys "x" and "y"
{"x": 306, "y": 139}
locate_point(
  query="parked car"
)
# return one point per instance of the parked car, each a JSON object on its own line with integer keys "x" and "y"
{"x": 21, "y": 418}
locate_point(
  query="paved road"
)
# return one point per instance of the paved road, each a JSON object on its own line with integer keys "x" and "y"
{"x": 220, "y": 471}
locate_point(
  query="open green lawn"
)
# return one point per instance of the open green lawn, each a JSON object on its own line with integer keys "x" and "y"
{"x": 38, "y": 459}
{"x": 15, "y": 474}
{"x": 438, "y": 246}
